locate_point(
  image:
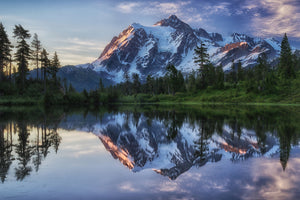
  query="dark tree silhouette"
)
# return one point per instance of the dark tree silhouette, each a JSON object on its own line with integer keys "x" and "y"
{"x": 5, "y": 48}
{"x": 22, "y": 55}
{"x": 36, "y": 52}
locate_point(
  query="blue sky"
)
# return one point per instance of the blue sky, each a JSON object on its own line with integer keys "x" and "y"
{"x": 79, "y": 29}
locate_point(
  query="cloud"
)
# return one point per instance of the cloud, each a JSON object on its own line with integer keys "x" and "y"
{"x": 166, "y": 8}
{"x": 127, "y": 7}
{"x": 77, "y": 51}
{"x": 188, "y": 11}
{"x": 196, "y": 18}
{"x": 149, "y": 8}
{"x": 275, "y": 17}
{"x": 221, "y": 9}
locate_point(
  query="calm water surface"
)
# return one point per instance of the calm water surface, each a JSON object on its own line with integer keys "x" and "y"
{"x": 150, "y": 152}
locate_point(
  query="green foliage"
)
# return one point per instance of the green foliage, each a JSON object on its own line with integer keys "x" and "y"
{"x": 175, "y": 81}
{"x": 51, "y": 99}
{"x": 219, "y": 79}
{"x": 201, "y": 55}
{"x": 22, "y": 55}
{"x": 191, "y": 82}
{"x": 240, "y": 72}
{"x": 136, "y": 85}
{"x": 286, "y": 66}
{"x": 94, "y": 98}
{"x": 112, "y": 96}
{"x": 201, "y": 58}
{"x": 150, "y": 85}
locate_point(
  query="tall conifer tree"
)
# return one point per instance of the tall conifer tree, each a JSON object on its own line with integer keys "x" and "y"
{"x": 201, "y": 58}
{"x": 5, "y": 48}
{"x": 286, "y": 65}
{"x": 37, "y": 48}
{"x": 45, "y": 62}
{"x": 22, "y": 54}
{"x": 54, "y": 66}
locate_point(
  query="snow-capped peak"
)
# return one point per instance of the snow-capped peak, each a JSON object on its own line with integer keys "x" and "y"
{"x": 146, "y": 50}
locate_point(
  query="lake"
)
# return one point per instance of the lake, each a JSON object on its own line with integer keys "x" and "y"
{"x": 150, "y": 152}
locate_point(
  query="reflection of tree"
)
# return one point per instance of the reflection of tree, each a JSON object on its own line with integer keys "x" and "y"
{"x": 260, "y": 131}
{"x": 5, "y": 152}
{"x": 46, "y": 143}
{"x": 37, "y": 160}
{"x": 285, "y": 132}
{"x": 24, "y": 151}
{"x": 29, "y": 152}
{"x": 136, "y": 118}
{"x": 206, "y": 129}
{"x": 173, "y": 128}
{"x": 173, "y": 122}
{"x": 55, "y": 139}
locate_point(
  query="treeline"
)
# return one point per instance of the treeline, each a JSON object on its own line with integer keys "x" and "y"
{"x": 263, "y": 78}
{"x": 13, "y": 80}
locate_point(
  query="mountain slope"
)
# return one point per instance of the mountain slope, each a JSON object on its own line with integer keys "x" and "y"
{"x": 147, "y": 50}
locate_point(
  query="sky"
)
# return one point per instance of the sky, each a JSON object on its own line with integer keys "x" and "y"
{"x": 80, "y": 29}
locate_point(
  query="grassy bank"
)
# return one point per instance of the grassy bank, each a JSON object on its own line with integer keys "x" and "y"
{"x": 208, "y": 96}
{"x": 288, "y": 94}
{"x": 232, "y": 96}
{"x": 284, "y": 95}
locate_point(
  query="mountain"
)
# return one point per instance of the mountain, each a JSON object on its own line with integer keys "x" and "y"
{"x": 147, "y": 50}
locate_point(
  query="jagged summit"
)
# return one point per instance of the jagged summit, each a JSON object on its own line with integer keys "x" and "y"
{"x": 174, "y": 22}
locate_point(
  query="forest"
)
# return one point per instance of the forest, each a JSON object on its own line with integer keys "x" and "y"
{"x": 263, "y": 83}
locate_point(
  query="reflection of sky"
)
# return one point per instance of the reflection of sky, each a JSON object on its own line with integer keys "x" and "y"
{"x": 83, "y": 169}
{"x": 79, "y": 30}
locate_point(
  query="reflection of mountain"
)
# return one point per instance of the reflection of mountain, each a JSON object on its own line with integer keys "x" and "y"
{"x": 144, "y": 143}
{"x": 169, "y": 142}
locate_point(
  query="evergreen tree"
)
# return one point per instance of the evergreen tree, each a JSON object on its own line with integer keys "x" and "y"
{"x": 201, "y": 58}
{"x": 191, "y": 82}
{"x": 136, "y": 83}
{"x": 5, "y": 48}
{"x": 172, "y": 75}
{"x": 180, "y": 82}
{"x": 240, "y": 72}
{"x": 296, "y": 60}
{"x": 22, "y": 54}
{"x": 37, "y": 47}
{"x": 233, "y": 74}
{"x": 150, "y": 85}
{"x": 160, "y": 85}
{"x": 45, "y": 62}
{"x": 286, "y": 65}
{"x": 211, "y": 74}
{"x": 261, "y": 71}
{"x": 101, "y": 86}
{"x": 126, "y": 82}
{"x": 54, "y": 66}
{"x": 250, "y": 80}
{"x": 219, "y": 83}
